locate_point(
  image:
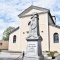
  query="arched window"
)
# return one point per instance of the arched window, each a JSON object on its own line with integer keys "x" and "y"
{"x": 56, "y": 38}
{"x": 14, "y": 39}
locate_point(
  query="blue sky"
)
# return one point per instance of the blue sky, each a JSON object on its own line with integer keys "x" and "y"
{"x": 9, "y": 9}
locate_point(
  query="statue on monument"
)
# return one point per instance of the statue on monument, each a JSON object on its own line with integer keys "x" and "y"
{"x": 33, "y": 26}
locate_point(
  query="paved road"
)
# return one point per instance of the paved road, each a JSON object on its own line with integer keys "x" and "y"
{"x": 16, "y": 56}
{"x": 10, "y": 56}
{"x": 16, "y": 59}
{"x": 9, "y": 59}
{"x": 58, "y": 57}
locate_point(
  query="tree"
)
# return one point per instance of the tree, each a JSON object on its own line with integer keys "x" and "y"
{"x": 6, "y": 33}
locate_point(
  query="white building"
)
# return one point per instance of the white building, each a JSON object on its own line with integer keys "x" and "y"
{"x": 49, "y": 31}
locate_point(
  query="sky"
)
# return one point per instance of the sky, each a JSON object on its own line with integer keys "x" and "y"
{"x": 10, "y": 9}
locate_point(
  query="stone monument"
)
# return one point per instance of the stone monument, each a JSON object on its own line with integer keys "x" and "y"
{"x": 34, "y": 51}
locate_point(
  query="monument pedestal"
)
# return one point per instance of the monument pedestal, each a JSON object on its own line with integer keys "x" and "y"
{"x": 33, "y": 50}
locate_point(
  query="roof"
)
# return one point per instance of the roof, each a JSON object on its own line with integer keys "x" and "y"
{"x": 51, "y": 17}
{"x": 33, "y": 7}
{"x": 14, "y": 30}
{"x": 38, "y": 8}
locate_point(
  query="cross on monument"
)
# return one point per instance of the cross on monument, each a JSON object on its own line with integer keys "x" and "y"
{"x": 34, "y": 28}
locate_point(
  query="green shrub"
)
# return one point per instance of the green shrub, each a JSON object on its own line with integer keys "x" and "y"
{"x": 55, "y": 52}
{"x": 51, "y": 53}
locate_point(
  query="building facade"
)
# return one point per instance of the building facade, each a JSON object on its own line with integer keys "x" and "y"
{"x": 49, "y": 31}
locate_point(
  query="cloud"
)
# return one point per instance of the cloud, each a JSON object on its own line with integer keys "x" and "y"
{"x": 8, "y": 17}
{"x": 45, "y": 3}
{"x": 9, "y": 9}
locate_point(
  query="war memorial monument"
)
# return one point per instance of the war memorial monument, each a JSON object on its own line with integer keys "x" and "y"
{"x": 34, "y": 50}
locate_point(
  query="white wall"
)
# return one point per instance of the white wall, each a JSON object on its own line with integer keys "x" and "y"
{"x": 14, "y": 46}
{"x": 54, "y": 46}
{"x": 43, "y": 26}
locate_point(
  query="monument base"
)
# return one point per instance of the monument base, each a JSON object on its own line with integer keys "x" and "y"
{"x": 33, "y": 51}
{"x": 34, "y": 58}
